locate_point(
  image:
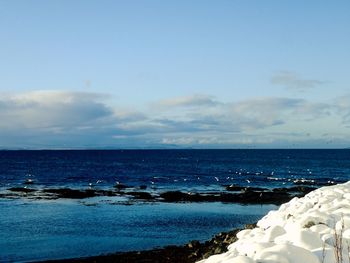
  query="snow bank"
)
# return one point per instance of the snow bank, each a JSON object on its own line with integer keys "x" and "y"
{"x": 304, "y": 230}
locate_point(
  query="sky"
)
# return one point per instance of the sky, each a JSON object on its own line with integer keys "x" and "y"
{"x": 174, "y": 74}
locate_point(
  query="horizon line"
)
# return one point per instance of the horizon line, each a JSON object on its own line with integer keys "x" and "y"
{"x": 159, "y": 149}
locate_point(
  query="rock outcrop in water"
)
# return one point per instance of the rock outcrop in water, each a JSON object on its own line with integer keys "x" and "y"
{"x": 233, "y": 194}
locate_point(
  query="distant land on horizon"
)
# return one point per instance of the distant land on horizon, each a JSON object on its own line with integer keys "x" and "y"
{"x": 159, "y": 148}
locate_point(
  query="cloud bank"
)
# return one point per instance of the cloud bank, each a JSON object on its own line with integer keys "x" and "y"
{"x": 57, "y": 119}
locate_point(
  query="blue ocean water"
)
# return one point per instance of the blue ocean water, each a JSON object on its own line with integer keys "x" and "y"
{"x": 41, "y": 230}
{"x": 173, "y": 169}
{"x": 63, "y": 228}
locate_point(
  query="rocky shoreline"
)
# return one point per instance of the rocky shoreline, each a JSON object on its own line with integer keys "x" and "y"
{"x": 189, "y": 253}
{"x": 230, "y": 194}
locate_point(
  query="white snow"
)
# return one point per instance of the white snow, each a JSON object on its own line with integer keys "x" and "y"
{"x": 304, "y": 230}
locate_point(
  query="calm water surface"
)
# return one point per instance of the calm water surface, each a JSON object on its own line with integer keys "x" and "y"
{"x": 39, "y": 229}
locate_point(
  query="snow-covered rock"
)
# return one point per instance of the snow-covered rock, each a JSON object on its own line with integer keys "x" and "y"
{"x": 304, "y": 230}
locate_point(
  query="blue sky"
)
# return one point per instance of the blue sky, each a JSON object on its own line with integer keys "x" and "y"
{"x": 203, "y": 74}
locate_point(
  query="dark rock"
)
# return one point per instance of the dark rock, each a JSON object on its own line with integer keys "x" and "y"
{"x": 246, "y": 197}
{"x": 309, "y": 224}
{"x": 303, "y": 182}
{"x": 255, "y": 189}
{"x": 252, "y": 197}
{"x": 233, "y": 187}
{"x": 174, "y": 196}
{"x": 250, "y": 226}
{"x": 274, "y": 198}
{"x": 302, "y": 189}
{"x": 237, "y": 188}
{"x": 71, "y": 193}
{"x": 120, "y": 186}
{"x": 143, "y": 187}
{"x": 328, "y": 183}
{"x": 295, "y": 189}
{"x": 193, "y": 244}
{"x": 21, "y": 189}
{"x": 281, "y": 190}
{"x": 219, "y": 250}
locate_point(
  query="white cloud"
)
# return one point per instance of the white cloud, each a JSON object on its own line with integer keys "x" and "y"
{"x": 69, "y": 119}
{"x": 293, "y": 81}
{"x": 342, "y": 105}
{"x": 265, "y": 112}
{"x": 56, "y": 117}
{"x": 45, "y": 110}
{"x": 187, "y": 101}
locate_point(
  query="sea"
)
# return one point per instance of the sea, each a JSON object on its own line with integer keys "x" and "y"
{"x": 33, "y": 229}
